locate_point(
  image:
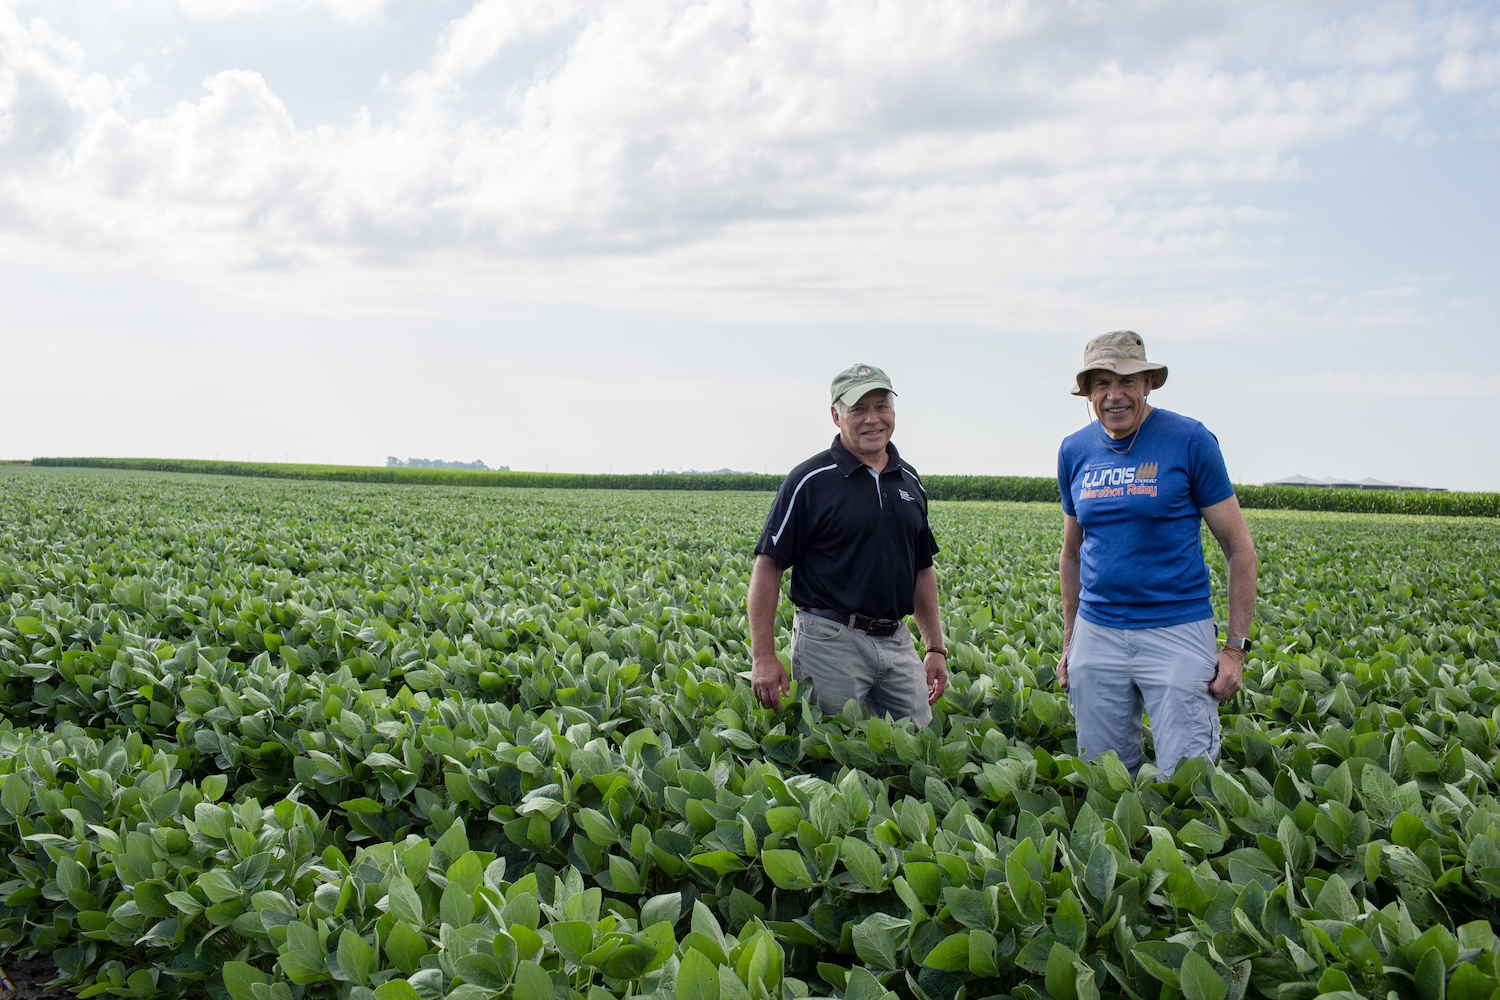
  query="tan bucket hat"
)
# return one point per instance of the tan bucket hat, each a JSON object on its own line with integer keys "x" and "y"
{"x": 1122, "y": 352}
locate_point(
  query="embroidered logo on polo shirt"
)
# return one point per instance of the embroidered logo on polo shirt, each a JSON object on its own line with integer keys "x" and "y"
{"x": 905, "y": 495}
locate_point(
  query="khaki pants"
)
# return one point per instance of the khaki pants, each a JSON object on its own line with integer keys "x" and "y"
{"x": 884, "y": 675}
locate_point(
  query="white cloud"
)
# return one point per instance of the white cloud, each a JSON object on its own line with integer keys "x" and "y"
{"x": 1378, "y": 385}
{"x": 474, "y": 39}
{"x": 352, "y": 11}
{"x": 1469, "y": 70}
{"x": 930, "y": 143}
{"x": 1383, "y": 36}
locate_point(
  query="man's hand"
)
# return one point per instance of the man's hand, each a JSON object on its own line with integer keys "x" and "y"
{"x": 937, "y": 676}
{"x": 1231, "y": 673}
{"x": 1062, "y": 671}
{"x": 768, "y": 681}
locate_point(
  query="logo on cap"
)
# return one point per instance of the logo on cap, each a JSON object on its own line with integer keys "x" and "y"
{"x": 862, "y": 372}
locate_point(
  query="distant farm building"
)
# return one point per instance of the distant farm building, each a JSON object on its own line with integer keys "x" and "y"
{"x": 1351, "y": 484}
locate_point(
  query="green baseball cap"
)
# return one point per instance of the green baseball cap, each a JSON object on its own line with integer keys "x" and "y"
{"x": 856, "y": 380}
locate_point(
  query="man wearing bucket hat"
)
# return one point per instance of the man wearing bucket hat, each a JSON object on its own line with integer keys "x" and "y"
{"x": 1138, "y": 627}
{"x": 851, "y": 524}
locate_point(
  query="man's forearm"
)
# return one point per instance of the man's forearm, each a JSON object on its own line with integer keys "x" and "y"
{"x": 1227, "y": 523}
{"x": 925, "y": 611}
{"x": 1070, "y": 573}
{"x": 761, "y": 603}
{"x": 1243, "y": 568}
{"x": 1069, "y": 583}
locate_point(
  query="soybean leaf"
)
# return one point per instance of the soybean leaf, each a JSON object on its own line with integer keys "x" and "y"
{"x": 982, "y": 953}
{"x": 1199, "y": 980}
{"x": 862, "y": 985}
{"x": 697, "y": 978}
{"x": 482, "y": 970}
{"x": 396, "y": 989}
{"x": 403, "y": 901}
{"x": 666, "y": 907}
{"x": 877, "y": 939}
{"x": 574, "y": 939}
{"x": 405, "y": 947}
{"x": 239, "y": 978}
{"x": 950, "y": 954}
{"x": 356, "y": 957}
{"x": 1099, "y": 876}
{"x": 15, "y": 794}
{"x": 1061, "y": 976}
{"x": 787, "y": 869}
{"x": 862, "y": 861}
{"x": 1431, "y": 975}
{"x": 532, "y": 982}
{"x": 1069, "y": 923}
{"x": 1336, "y": 902}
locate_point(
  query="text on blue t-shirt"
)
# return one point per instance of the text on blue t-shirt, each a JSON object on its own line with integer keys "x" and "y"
{"x": 1142, "y": 555}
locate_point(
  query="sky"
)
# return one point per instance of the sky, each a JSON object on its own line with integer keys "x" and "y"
{"x": 645, "y": 234}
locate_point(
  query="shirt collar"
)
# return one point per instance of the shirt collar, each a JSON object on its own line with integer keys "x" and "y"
{"x": 848, "y": 464}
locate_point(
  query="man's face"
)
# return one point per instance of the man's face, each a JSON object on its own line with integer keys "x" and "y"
{"x": 1119, "y": 400}
{"x": 866, "y": 426}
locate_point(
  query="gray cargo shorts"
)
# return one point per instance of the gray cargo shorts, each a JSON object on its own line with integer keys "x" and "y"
{"x": 884, "y": 675}
{"x": 1115, "y": 672}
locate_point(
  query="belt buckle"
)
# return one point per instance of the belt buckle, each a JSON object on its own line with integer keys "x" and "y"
{"x": 880, "y": 629}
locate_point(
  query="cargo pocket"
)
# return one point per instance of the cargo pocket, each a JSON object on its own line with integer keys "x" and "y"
{"x": 1210, "y": 704}
{"x": 1196, "y": 733}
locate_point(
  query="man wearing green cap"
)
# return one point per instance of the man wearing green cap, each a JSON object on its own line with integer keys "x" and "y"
{"x": 851, "y": 524}
{"x": 1138, "y": 624}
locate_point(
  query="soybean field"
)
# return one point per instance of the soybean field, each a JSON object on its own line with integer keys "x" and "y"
{"x": 279, "y": 740}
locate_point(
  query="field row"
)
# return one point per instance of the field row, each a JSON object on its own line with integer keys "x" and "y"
{"x": 1016, "y": 489}
{"x": 277, "y": 740}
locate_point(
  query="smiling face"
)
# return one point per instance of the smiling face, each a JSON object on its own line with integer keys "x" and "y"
{"x": 1119, "y": 400}
{"x": 866, "y": 426}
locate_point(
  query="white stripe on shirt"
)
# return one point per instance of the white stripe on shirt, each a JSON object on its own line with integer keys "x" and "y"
{"x": 776, "y": 538}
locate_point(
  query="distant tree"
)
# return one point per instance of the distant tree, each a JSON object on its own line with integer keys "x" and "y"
{"x": 438, "y": 463}
{"x": 701, "y": 472}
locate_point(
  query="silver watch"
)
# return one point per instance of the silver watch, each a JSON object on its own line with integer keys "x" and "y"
{"x": 1242, "y": 644}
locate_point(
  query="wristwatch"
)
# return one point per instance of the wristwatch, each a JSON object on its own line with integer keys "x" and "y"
{"x": 1243, "y": 645}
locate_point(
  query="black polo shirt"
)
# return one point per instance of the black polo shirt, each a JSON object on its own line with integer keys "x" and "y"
{"x": 854, "y": 542}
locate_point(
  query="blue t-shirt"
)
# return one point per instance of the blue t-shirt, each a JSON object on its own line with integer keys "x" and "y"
{"x": 1142, "y": 557}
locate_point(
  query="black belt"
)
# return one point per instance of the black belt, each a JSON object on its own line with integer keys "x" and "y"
{"x": 873, "y": 626}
